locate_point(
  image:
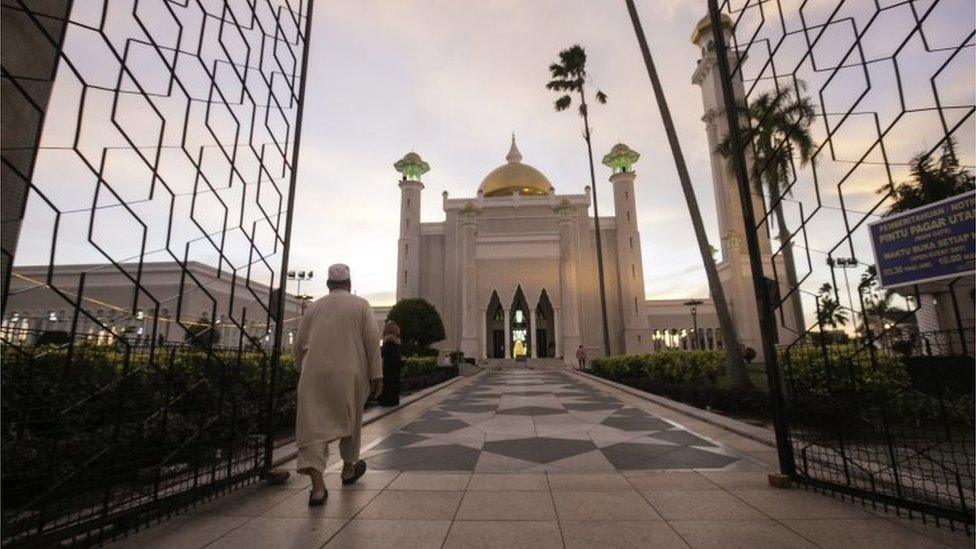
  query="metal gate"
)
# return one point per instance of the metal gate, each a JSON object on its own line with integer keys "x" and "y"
{"x": 144, "y": 315}
{"x": 848, "y": 112}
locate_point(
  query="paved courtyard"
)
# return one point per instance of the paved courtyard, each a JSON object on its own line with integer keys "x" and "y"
{"x": 541, "y": 459}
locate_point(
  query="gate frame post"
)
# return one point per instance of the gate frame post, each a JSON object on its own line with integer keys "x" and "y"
{"x": 279, "y": 313}
{"x": 767, "y": 319}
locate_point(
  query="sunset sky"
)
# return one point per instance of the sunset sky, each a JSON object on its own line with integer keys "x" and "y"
{"x": 453, "y": 80}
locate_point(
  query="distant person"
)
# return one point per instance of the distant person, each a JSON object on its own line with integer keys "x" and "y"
{"x": 391, "y": 364}
{"x": 581, "y": 357}
{"x": 338, "y": 355}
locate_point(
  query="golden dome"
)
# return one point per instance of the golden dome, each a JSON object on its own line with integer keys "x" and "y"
{"x": 515, "y": 176}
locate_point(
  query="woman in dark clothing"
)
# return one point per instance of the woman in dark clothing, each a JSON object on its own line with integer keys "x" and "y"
{"x": 391, "y": 365}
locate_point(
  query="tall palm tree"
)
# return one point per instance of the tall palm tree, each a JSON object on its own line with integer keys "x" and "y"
{"x": 829, "y": 310}
{"x": 877, "y": 305}
{"x": 780, "y": 129}
{"x": 930, "y": 180}
{"x": 569, "y": 77}
{"x": 733, "y": 357}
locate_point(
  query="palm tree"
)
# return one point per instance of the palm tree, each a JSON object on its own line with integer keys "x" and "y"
{"x": 878, "y": 308}
{"x": 930, "y": 180}
{"x": 734, "y": 363}
{"x": 780, "y": 128}
{"x": 569, "y": 77}
{"x": 829, "y": 311}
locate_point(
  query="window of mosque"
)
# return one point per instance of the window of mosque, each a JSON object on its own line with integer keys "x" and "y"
{"x": 633, "y": 271}
{"x": 628, "y": 216}
{"x": 635, "y": 305}
{"x": 631, "y": 243}
{"x": 404, "y": 276}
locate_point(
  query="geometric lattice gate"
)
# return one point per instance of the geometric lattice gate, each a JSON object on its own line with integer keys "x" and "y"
{"x": 848, "y": 112}
{"x": 144, "y": 320}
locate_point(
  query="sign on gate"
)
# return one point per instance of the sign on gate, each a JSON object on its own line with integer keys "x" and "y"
{"x": 928, "y": 243}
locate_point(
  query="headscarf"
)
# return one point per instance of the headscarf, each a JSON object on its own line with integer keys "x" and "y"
{"x": 391, "y": 332}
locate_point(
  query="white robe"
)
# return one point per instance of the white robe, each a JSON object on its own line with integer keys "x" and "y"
{"x": 337, "y": 352}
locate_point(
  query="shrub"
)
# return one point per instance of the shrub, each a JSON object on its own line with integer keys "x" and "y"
{"x": 420, "y": 325}
{"x": 53, "y": 337}
{"x": 823, "y": 385}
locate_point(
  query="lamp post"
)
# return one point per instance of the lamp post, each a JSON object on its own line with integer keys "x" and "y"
{"x": 694, "y": 303}
{"x": 301, "y": 276}
{"x": 845, "y": 263}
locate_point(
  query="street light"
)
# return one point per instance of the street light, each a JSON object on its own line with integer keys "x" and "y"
{"x": 694, "y": 303}
{"x": 845, "y": 263}
{"x": 301, "y": 276}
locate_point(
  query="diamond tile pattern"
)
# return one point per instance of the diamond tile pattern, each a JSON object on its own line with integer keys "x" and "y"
{"x": 534, "y": 421}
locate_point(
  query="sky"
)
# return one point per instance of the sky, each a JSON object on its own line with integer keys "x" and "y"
{"x": 452, "y": 81}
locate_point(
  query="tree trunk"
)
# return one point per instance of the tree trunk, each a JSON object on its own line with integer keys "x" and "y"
{"x": 733, "y": 355}
{"x": 596, "y": 222}
{"x": 789, "y": 263}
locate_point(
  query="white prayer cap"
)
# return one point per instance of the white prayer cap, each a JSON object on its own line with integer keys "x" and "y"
{"x": 339, "y": 272}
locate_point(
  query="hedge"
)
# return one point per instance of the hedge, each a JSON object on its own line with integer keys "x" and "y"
{"x": 171, "y": 406}
{"x": 822, "y": 385}
{"x": 694, "y": 377}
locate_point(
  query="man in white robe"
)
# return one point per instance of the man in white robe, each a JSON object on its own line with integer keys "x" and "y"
{"x": 338, "y": 354}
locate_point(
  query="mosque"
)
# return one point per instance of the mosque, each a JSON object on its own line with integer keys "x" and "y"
{"x": 513, "y": 270}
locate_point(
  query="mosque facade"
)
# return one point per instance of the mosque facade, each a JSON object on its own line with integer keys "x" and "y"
{"x": 513, "y": 270}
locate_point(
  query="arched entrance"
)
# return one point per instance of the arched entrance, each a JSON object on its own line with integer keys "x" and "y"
{"x": 495, "y": 326}
{"x": 519, "y": 326}
{"x": 545, "y": 327}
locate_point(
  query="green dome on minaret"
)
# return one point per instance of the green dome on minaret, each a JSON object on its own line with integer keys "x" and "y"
{"x": 412, "y": 166}
{"x": 621, "y": 158}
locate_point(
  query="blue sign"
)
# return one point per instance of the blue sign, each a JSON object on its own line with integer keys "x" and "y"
{"x": 929, "y": 243}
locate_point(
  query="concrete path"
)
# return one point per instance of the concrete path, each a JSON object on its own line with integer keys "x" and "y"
{"x": 545, "y": 459}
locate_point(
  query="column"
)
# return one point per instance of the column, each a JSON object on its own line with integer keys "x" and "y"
{"x": 508, "y": 335}
{"x": 534, "y": 352}
{"x": 469, "y": 281}
{"x": 484, "y": 333}
{"x": 568, "y": 285}
{"x": 556, "y": 336}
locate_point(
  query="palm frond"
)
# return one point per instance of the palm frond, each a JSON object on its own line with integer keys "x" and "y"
{"x": 601, "y": 97}
{"x": 563, "y": 103}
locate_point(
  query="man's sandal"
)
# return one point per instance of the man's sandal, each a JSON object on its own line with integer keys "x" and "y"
{"x": 358, "y": 470}
{"x": 313, "y": 502}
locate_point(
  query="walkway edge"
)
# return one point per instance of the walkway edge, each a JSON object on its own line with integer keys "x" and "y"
{"x": 753, "y": 432}
{"x": 290, "y": 451}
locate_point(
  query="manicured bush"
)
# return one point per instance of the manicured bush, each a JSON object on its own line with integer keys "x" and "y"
{"x": 420, "y": 372}
{"x": 823, "y": 385}
{"x": 109, "y": 415}
{"x": 420, "y": 326}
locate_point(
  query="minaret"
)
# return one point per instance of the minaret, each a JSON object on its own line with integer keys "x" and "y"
{"x": 734, "y": 269}
{"x": 411, "y": 166}
{"x": 731, "y": 225}
{"x": 630, "y": 269}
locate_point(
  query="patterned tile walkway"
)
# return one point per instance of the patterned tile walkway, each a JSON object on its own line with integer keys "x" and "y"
{"x": 539, "y": 421}
{"x": 541, "y": 459}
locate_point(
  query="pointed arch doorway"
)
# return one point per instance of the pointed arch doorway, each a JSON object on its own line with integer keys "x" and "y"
{"x": 495, "y": 326}
{"x": 545, "y": 327}
{"x": 519, "y": 326}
